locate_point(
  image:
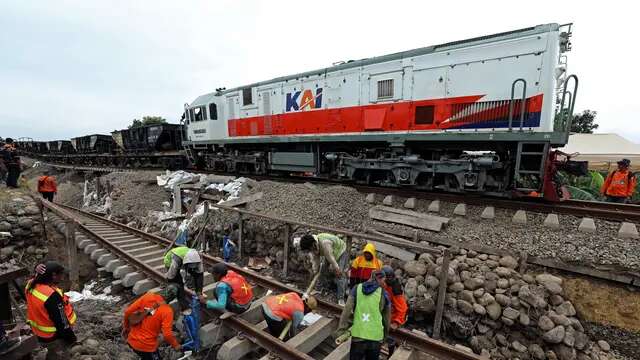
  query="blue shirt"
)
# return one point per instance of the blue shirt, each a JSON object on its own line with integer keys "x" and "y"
{"x": 223, "y": 290}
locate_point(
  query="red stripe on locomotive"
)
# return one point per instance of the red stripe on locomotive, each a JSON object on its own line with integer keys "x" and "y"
{"x": 400, "y": 116}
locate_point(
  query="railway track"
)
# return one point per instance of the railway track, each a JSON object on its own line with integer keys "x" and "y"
{"x": 598, "y": 210}
{"x": 136, "y": 259}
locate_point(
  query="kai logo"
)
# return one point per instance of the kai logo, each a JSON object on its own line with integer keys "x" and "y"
{"x": 296, "y": 102}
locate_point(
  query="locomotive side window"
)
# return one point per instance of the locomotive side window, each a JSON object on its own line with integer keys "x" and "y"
{"x": 424, "y": 115}
{"x": 213, "y": 111}
{"x": 385, "y": 89}
{"x": 247, "y": 96}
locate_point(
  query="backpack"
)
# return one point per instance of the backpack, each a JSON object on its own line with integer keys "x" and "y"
{"x": 137, "y": 316}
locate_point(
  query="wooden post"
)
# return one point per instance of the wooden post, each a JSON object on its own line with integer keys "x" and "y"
{"x": 523, "y": 262}
{"x": 72, "y": 254}
{"x": 177, "y": 200}
{"x": 285, "y": 266}
{"x": 240, "y": 229}
{"x": 98, "y": 187}
{"x": 442, "y": 290}
{"x": 348, "y": 249}
{"x": 108, "y": 187}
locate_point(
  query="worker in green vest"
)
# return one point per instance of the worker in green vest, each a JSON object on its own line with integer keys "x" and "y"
{"x": 328, "y": 248}
{"x": 183, "y": 257}
{"x": 367, "y": 312}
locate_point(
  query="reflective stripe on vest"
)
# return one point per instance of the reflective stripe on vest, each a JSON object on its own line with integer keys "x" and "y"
{"x": 367, "y": 318}
{"x": 180, "y": 252}
{"x": 241, "y": 291}
{"x": 37, "y": 315}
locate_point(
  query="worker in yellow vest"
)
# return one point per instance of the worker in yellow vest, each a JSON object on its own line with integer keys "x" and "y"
{"x": 49, "y": 312}
{"x": 183, "y": 257}
{"x": 367, "y": 312}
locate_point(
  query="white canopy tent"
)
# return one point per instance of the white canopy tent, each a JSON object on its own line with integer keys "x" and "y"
{"x": 602, "y": 151}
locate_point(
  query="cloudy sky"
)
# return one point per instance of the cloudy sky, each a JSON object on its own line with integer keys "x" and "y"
{"x": 71, "y": 68}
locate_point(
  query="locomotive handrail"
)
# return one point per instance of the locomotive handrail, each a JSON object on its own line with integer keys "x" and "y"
{"x": 522, "y": 107}
{"x": 567, "y": 118}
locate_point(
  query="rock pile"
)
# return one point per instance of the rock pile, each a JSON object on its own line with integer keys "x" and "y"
{"x": 500, "y": 312}
{"x": 20, "y": 221}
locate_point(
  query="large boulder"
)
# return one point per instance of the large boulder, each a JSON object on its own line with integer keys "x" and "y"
{"x": 509, "y": 262}
{"x": 555, "y": 335}
{"x": 415, "y": 268}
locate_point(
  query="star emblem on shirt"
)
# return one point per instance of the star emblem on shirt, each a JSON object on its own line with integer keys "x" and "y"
{"x": 365, "y": 317}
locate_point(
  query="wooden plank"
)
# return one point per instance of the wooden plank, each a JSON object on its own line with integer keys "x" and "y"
{"x": 442, "y": 219}
{"x": 391, "y": 250}
{"x": 408, "y": 234}
{"x": 417, "y": 222}
{"x": 243, "y": 200}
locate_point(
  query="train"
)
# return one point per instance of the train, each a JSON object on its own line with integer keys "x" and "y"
{"x": 150, "y": 146}
{"x": 482, "y": 115}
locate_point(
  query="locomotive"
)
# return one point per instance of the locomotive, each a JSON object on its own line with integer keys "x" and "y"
{"x": 481, "y": 115}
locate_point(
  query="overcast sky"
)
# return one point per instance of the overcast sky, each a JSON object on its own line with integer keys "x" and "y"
{"x": 71, "y": 68}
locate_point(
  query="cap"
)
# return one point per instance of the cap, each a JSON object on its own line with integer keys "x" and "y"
{"x": 377, "y": 274}
{"x": 388, "y": 271}
{"x": 311, "y": 302}
{"x": 219, "y": 268}
{"x": 170, "y": 292}
{"x": 52, "y": 267}
{"x": 624, "y": 162}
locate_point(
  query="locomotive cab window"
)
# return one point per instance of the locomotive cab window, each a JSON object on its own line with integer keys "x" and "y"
{"x": 247, "y": 96}
{"x": 385, "y": 89}
{"x": 424, "y": 115}
{"x": 198, "y": 113}
{"x": 213, "y": 111}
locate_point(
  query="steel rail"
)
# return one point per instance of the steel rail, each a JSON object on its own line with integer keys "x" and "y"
{"x": 601, "y": 210}
{"x": 420, "y": 342}
{"x": 265, "y": 340}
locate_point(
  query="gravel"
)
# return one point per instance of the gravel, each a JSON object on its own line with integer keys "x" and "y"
{"x": 135, "y": 199}
{"x": 336, "y": 206}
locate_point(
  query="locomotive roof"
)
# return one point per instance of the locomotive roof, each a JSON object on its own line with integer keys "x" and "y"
{"x": 208, "y": 98}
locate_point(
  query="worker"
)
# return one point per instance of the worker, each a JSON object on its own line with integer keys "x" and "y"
{"x": 183, "y": 257}
{"x": 364, "y": 265}
{"x": 146, "y": 318}
{"x": 278, "y": 310}
{"x": 233, "y": 293}
{"x": 3, "y": 167}
{"x": 620, "y": 184}
{"x": 49, "y": 312}
{"x": 332, "y": 249}
{"x": 399, "y": 307}
{"x": 367, "y": 312}
{"x": 12, "y": 162}
{"x": 47, "y": 186}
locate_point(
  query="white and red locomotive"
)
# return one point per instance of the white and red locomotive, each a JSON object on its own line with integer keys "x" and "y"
{"x": 479, "y": 115}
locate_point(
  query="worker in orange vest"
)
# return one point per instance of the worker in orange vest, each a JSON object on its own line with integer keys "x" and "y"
{"x": 146, "y": 318}
{"x": 232, "y": 293}
{"x": 49, "y": 312}
{"x": 364, "y": 265}
{"x": 399, "y": 307}
{"x": 47, "y": 186}
{"x": 278, "y": 310}
{"x": 620, "y": 184}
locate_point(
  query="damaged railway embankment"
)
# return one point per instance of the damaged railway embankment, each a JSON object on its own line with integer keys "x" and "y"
{"x": 477, "y": 281}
